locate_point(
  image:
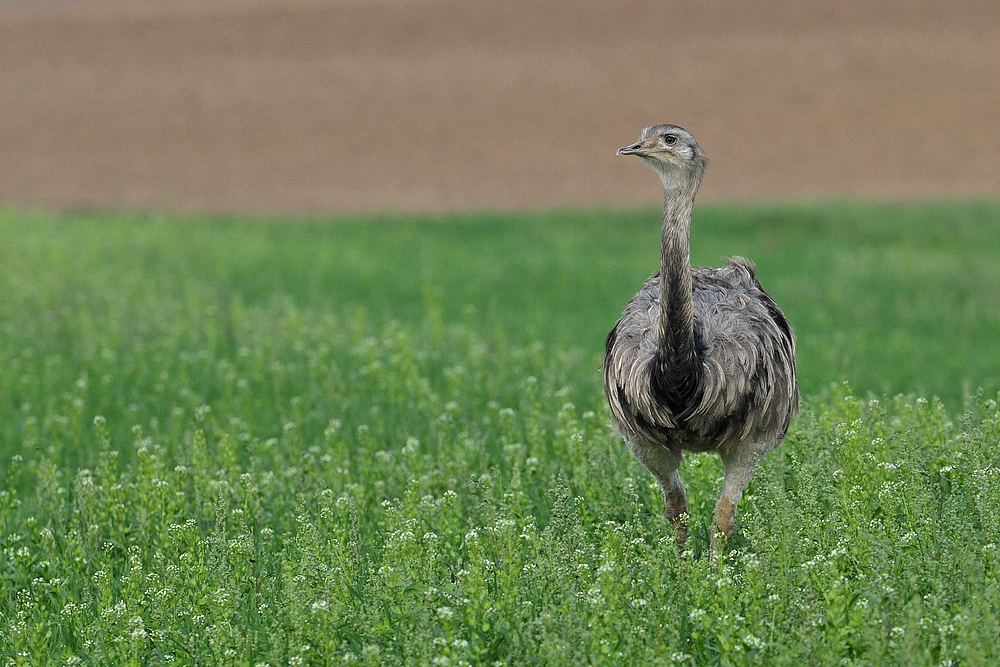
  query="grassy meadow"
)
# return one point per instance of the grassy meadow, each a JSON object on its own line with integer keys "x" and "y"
{"x": 383, "y": 441}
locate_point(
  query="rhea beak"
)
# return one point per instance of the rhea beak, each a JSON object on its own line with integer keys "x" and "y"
{"x": 634, "y": 149}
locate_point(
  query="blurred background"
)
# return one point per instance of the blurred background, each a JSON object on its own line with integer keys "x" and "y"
{"x": 311, "y": 107}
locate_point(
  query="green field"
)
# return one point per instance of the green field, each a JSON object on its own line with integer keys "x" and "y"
{"x": 384, "y": 441}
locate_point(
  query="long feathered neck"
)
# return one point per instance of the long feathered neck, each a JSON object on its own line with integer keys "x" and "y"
{"x": 677, "y": 364}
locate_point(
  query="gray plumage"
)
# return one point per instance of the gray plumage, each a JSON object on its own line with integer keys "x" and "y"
{"x": 702, "y": 359}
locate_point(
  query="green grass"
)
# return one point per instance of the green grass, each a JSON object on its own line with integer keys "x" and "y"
{"x": 385, "y": 442}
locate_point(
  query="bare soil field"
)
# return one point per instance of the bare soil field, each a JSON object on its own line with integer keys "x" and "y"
{"x": 309, "y": 107}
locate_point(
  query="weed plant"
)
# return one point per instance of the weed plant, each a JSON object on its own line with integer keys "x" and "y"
{"x": 206, "y": 475}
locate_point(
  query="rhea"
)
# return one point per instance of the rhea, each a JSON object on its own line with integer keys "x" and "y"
{"x": 702, "y": 359}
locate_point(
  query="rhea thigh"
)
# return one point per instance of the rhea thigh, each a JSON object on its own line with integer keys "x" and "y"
{"x": 663, "y": 465}
{"x": 739, "y": 464}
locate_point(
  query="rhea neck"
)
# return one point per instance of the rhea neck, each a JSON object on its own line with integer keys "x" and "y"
{"x": 677, "y": 364}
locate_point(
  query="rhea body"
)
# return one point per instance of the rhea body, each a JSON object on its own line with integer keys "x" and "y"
{"x": 702, "y": 359}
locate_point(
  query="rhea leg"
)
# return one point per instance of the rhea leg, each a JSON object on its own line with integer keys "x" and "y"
{"x": 738, "y": 465}
{"x": 664, "y": 464}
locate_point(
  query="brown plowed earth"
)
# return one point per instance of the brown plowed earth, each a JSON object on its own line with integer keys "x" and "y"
{"x": 308, "y": 107}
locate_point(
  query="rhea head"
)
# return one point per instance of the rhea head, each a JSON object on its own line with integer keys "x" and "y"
{"x": 672, "y": 152}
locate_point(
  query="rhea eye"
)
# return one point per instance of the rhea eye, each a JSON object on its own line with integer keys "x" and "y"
{"x": 670, "y": 140}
